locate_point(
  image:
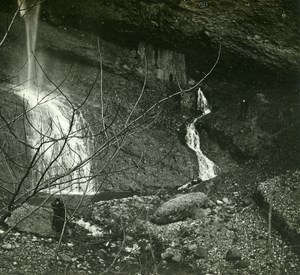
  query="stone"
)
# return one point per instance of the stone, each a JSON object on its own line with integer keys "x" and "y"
{"x": 179, "y": 208}
{"x": 219, "y": 202}
{"x": 230, "y": 234}
{"x": 148, "y": 247}
{"x": 242, "y": 264}
{"x": 201, "y": 252}
{"x": 65, "y": 258}
{"x": 192, "y": 247}
{"x": 215, "y": 211}
{"x": 7, "y": 246}
{"x": 246, "y": 201}
{"x": 34, "y": 239}
{"x": 38, "y": 222}
{"x": 166, "y": 255}
{"x": 125, "y": 67}
{"x": 257, "y": 37}
{"x": 226, "y": 200}
{"x": 235, "y": 238}
{"x": 177, "y": 257}
{"x": 215, "y": 266}
{"x": 207, "y": 33}
{"x": 200, "y": 214}
{"x": 233, "y": 255}
{"x": 211, "y": 204}
{"x": 129, "y": 238}
{"x": 164, "y": 263}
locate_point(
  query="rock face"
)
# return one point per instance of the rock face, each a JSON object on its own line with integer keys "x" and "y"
{"x": 256, "y": 38}
{"x": 39, "y": 222}
{"x": 176, "y": 36}
{"x": 265, "y": 32}
{"x": 179, "y": 208}
{"x": 123, "y": 71}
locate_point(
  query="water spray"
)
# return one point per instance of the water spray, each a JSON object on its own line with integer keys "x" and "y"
{"x": 60, "y": 132}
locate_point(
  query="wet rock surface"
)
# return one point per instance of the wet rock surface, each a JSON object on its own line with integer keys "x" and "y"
{"x": 60, "y": 49}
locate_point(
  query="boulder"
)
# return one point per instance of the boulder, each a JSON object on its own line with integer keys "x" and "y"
{"x": 38, "y": 222}
{"x": 233, "y": 255}
{"x": 179, "y": 208}
{"x": 201, "y": 252}
{"x": 242, "y": 264}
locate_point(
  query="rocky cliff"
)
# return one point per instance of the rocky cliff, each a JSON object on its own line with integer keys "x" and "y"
{"x": 180, "y": 39}
{"x": 259, "y": 38}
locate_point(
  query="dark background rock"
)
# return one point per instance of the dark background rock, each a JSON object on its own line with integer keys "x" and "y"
{"x": 259, "y": 37}
{"x": 265, "y": 33}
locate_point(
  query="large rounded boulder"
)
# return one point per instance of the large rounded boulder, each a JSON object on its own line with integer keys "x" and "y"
{"x": 179, "y": 208}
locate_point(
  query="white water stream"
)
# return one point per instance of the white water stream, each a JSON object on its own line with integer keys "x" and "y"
{"x": 207, "y": 169}
{"x": 61, "y": 133}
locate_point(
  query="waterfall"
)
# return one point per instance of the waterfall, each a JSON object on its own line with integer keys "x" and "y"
{"x": 29, "y": 10}
{"x": 53, "y": 125}
{"x": 206, "y": 167}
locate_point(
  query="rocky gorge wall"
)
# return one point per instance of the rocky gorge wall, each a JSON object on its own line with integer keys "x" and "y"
{"x": 161, "y": 45}
{"x": 178, "y": 40}
{"x": 257, "y": 37}
{"x": 70, "y": 58}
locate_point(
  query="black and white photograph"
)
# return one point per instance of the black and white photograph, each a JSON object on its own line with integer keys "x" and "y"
{"x": 149, "y": 137}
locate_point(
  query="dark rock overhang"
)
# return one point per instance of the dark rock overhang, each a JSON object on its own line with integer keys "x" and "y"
{"x": 260, "y": 40}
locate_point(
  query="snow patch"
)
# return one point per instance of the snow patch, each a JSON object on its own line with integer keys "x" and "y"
{"x": 94, "y": 230}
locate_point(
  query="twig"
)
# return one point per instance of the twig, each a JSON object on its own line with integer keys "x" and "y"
{"x": 101, "y": 88}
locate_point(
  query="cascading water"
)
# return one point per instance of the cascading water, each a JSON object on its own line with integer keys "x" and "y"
{"x": 207, "y": 169}
{"x": 58, "y": 130}
{"x": 29, "y": 10}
